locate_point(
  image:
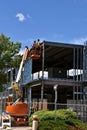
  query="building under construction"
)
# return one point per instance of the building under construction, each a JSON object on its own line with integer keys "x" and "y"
{"x": 61, "y": 65}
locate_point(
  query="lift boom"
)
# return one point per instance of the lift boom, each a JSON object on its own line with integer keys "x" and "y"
{"x": 18, "y": 114}
{"x": 15, "y": 84}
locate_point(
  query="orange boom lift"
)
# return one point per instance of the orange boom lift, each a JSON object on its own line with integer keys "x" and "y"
{"x": 19, "y": 110}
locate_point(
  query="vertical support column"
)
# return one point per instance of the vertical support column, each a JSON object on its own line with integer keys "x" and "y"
{"x": 81, "y": 63}
{"x": 84, "y": 75}
{"x": 73, "y": 75}
{"x": 85, "y": 62}
{"x": 77, "y": 72}
{"x": 85, "y": 78}
{"x": 29, "y": 101}
{"x": 42, "y": 87}
{"x": 77, "y": 62}
{"x": 11, "y": 75}
{"x": 81, "y": 67}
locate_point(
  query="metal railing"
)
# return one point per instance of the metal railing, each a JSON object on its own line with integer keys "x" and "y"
{"x": 80, "y": 109}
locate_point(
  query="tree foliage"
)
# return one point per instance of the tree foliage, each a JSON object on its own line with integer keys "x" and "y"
{"x": 8, "y": 57}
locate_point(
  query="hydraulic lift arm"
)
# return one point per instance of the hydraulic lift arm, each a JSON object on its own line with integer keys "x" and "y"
{"x": 35, "y": 54}
{"x": 18, "y": 114}
{"x": 15, "y": 84}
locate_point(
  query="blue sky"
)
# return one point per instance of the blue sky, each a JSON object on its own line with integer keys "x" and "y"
{"x": 50, "y": 20}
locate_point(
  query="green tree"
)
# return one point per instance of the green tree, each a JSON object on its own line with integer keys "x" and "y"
{"x": 8, "y": 57}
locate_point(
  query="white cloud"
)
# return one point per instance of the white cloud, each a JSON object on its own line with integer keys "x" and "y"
{"x": 20, "y": 17}
{"x": 79, "y": 40}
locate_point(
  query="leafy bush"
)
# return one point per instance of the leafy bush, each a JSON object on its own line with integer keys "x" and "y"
{"x": 52, "y": 125}
{"x": 50, "y": 115}
{"x": 75, "y": 122}
{"x": 66, "y": 113}
{"x": 65, "y": 120}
